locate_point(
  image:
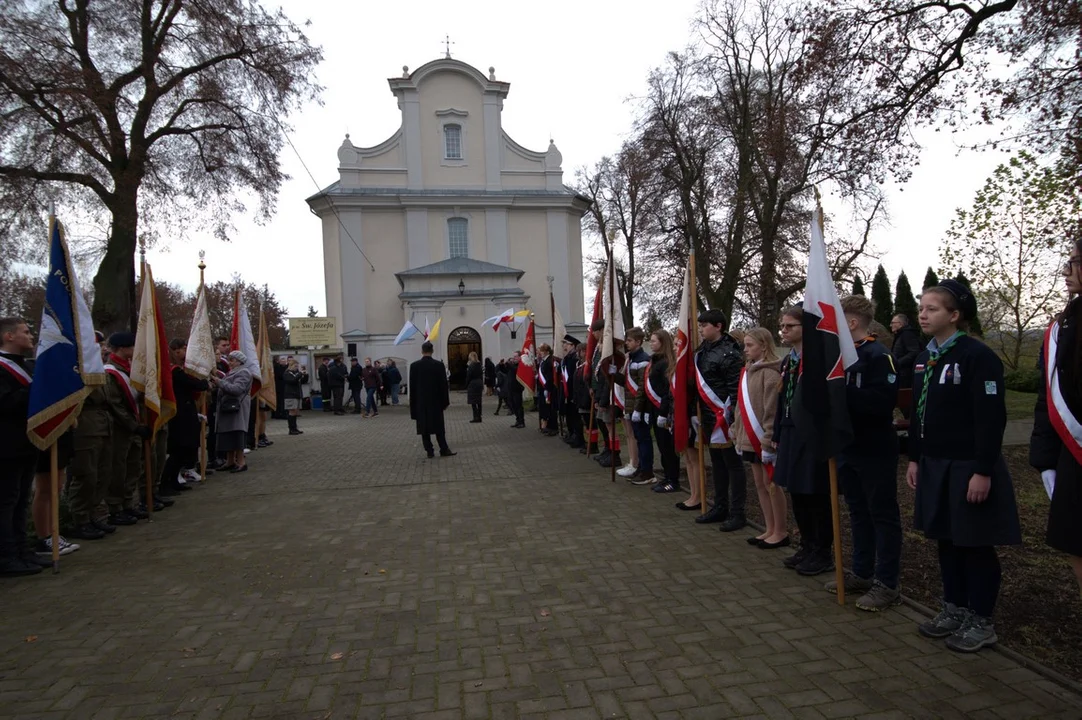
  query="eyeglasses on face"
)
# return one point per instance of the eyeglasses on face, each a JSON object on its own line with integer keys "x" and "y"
{"x": 789, "y": 326}
{"x": 1068, "y": 267}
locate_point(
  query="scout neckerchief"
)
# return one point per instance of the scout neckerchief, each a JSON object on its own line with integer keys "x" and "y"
{"x": 1063, "y": 420}
{"x": 791, "y": 377}
{"x": 17, "y": 371}
{"x": 754, "y": 428}
{"x": 720, "y": 433}
{"x": 934, "y": 356}
{"x": 651, "y": 393}
{"x": 119, "y": 368}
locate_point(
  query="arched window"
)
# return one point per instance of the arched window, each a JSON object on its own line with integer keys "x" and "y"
{"x": 458, "y": 237}
{"x": 452, "y": 142}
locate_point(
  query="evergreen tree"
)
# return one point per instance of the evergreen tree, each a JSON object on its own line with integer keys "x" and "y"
{"x": 884, "y": 307}
{"x": 930, "y": 279}
{"x": 312, "y": 312}
{"x": 651, "y": 323}
{"x": 904, "y": 301}
{"x": 858, "y": 286}
{"x": 974, "y": 322}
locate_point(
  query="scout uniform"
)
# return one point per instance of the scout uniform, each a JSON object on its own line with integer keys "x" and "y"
{"x": 127, "y": 455}
{"x": 91, "y": 464}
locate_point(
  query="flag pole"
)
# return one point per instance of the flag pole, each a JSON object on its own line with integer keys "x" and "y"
{"x": 202, "y": 395}
{"x": 148, "y": 465}
{"x": 835, "y": 508}
{"x": 611, "y": 377}
{"x": 693, "y": 345}
{"x": 54, "y": 508}
{"x": 552, "y": 316}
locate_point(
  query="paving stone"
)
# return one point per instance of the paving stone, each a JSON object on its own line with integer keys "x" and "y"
{"x": 347, "y": 576}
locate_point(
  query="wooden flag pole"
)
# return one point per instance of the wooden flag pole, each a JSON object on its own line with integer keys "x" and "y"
{"x": 148, "y": 464}
{"x": 54, "y": 508}
{"x": 589, "y": 426}
{"x": 202, "y": 398}
{"x": 611, "y": 376}
{"x": 693, "y": 345}
{"x": 835, "y": 511}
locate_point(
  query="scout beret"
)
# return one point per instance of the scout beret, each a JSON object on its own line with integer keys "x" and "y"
{"x": 122, "y": 340}
{"x": 966, "y": 302}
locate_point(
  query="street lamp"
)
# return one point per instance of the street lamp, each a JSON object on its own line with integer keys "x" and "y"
{"x": 461, "y": 287}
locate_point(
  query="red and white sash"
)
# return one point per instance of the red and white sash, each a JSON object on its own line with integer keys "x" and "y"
{"x": 17, "y": 371}
{"x": 618, "y": 396}
{"x": 125, "y": 385}
{"x": 652, "y": 394}
{"x": 632, "y": 386}
{"x": 1066, "y": 424}
{"x": 752, "y": 425}
{"x": 720, "y": 434}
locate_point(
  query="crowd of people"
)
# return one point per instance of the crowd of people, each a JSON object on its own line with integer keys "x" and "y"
{"x": 375, "y": 379}
{"x": 744, "y": 411}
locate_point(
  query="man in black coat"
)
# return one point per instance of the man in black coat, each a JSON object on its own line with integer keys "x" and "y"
{"x": 18, "y": 458}
{"x": 280, "y": 364}
{"x": 324, "y": 375}
{"x": 356, "y": 384}
{"x": 515, "y": 391}
{"x": 905, "y": 349}
{"x": 429, "y": 397}
{"x": 569, "y": 384}
{"x": 336, "y": 376}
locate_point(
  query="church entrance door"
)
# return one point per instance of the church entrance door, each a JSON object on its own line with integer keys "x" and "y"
{"x": 460, "y": 343}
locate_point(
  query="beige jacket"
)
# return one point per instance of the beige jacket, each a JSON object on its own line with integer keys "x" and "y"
{"x": 763, "y": 386}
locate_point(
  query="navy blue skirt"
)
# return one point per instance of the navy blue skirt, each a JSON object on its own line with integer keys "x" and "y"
{"x": 796, "y": 468}
{"x": 941, "y": 511}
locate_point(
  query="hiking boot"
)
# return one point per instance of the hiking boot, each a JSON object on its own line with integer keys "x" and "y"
{"x": 880, "y": 597}
{"x": 949, "y": 620}
{"x": 853, "y": 584}
{"x": 976, "y": 632}
{"x": 793, "y": 560}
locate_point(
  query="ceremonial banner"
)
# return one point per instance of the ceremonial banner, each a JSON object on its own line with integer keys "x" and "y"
{"x": 612, "y": 340}
{"x": 201, "y": 359}
{"x": 267, "y": 392}
{"x": 68, "y": 359}
{"x": 151, "y": 369}
{"x": 527, "y": 371}
{"x": 408, "y": 330}
{"x": 684, "y": 361}
{"x": 434, "y": 333}
{"x": 591, "y": 343}
{"x": 241, "y": 338}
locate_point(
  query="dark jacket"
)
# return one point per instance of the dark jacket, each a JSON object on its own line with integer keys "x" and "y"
{"x": 336, "y": 376}
{"x": 474, "y": 382}
{"x": 720, "y": 363}
{"x": 279, "y": 384}
{"x": 356, "y": 381}
{"x": 637, "y": 362}
{"x": 490, "y": 373}
{"x": 291, "y": 382}
{"x": 429, "y": 394}
{"x": 394, "y": 376}
{"x": 184, "y": 427}
{"x": 1046, "y": 448}
{"x": 14, "y": 404}
{"x": 657, "y": 382}
{"x": 370, "y": 375}
{"x": 323, "y": 373}
{"x": 906, "y": 347}
{"x": 871, "y": 389}
{"x": 511, "y": 384}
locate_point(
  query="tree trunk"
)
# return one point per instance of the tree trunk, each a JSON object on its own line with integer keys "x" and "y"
{"x": 115, "y": 307}
{"x": 768, "y": 284}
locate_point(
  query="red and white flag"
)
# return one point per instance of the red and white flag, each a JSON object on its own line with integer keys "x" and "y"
{"x": 527, "y": 364}
{"x": 685, "y": 331}
{"x": 591, "y": 343}
{"x": 612, "y": 340}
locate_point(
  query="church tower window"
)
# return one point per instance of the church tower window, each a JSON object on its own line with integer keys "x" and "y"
{"x": 458, "y": 237}
{"x": 452, "y": 142}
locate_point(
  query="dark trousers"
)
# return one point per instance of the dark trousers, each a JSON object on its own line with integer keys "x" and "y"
{"x": 971, "y": 576}
{"x": 871, "y": 492}
{"x": 326, "y": 397}
{"x": 476, "y": 410}
{"x": 514, "y": 404}
{"x": 16, "y": 479}
{"x": 670, "y": 461}
{"x": 730, "y": 481}
{"x": 355, "y": 395}
{"x": 338, "y": 393}
{"x": 212, "y": 435}
{"x": 645, "y": 443}
{"x": 500, "y": 404}
{"x": 441, "y": 440}
{"x": 179, "y": 458}
{"x": 370, "y": 401}
{"x": 815, "y": 521}
{"x": 574, "y": 427}
{"x": 382, "y": 395}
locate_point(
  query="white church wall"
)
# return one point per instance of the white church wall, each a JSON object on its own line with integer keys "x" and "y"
{"x": 332, "y": 279}
{"x": 452, "y": 91}
{"x": 386, "y": 246}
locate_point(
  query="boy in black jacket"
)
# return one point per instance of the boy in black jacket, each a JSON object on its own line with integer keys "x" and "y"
{"x": 867, "y": 468}
{"x": 18, "y": 458}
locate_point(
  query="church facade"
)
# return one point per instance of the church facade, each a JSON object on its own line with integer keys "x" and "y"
{"x": 450, "y": 219}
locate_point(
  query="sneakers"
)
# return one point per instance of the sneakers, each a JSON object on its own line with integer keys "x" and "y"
{"x": 816, "y": 564}
{"x": 976, "y": 632}
{"x": 122, "y": 519}
{"x": 853, "y": 584}
{"x": 44, "y": 546}
{"x": 642, "y": 479}
{"x": 880, "y": 597}
{"x": 627, "y": 471}
{"x": 949, "y": 620}
{"x": 792, "y": 561}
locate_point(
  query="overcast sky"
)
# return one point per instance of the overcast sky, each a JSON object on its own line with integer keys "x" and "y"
{"x": 574, "y": 69}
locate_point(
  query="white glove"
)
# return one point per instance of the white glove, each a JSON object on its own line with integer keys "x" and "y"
{"x": 769, "y": 458}
{"x": 612, "y": 369}
{"x": 636, "y": 416}
{"x": 202, "y": 417}
{"x": 662, "y": 421}
{"x": 695, "y": 422}
{"x": 1048, "y": 477}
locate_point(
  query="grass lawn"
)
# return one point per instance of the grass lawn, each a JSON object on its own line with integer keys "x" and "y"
{"x": 1020, "y": 405}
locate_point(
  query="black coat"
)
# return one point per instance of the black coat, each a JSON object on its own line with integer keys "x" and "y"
{"x": 429, "y": 394}
{"x": 291, "y": 384}
{"x": 323, "y": 373}
{"x": 474, "y": 382}
{"x": 14, "y": 403}
{"x": 279, "y": 385}
{"x": 394, "y": 377}
{"x": 184, "y": 427}
{"x": 336, "y": 376}
{"x": 490, "y": 373}
{"x": 871, "y": 390}
{"x": 905, "y": 350}
{"x": 356, "y": 382}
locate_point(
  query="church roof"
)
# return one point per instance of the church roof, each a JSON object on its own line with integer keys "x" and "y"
{"x": 461, "y": 266}
{"x": 336, "y": 190}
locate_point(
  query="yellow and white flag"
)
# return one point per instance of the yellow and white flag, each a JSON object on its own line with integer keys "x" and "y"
{"x": 267, "y": 392}
{"x": 201, "y": 359}
{"x": 151, "y": 372}
{"x": 435, "y": 331}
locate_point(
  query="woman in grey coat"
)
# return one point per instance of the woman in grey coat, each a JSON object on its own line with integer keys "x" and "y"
{"x": 234, "y": 409}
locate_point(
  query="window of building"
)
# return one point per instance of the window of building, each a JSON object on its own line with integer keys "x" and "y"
{"x": 452, "y": 142}
{"x": 458, "y": 237}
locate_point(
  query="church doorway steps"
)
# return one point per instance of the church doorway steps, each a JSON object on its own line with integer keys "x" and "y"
{"x": 460, "y": 343}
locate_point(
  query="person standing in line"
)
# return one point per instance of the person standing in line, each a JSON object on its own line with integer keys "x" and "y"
{"x": 356, "y": 384}
{"x": 280, "y": 364}
{"x": 905, "y": 349}
{"x": 233, "y": 411}
{"x": 640, "y": 464}
{"x": 324, "y": 375}
{"x": 123, "y": 497}
{"x": 568, "y": 378}
{"x": 490, "y": 377}
{"x": 429, "y": 397}
{"x": 718, "y": 362}
{"x": 1055, "y": 450}
{"x": 796, "y": 468}
{"x": 91, "y": 466}
{"x": 394, "y": 380}
{"x": 657, "y": 396}
{"x": 370, "y": 375}
{"x": 515, "y": 391}
{"x": 501, "y": 386}
{"x": 214, "y": 459}
{"x": 336, "y": 375}
{"x": 757, "y": 401}
{"x": 868, "y": 466}
{"x": 294, "y": 380}
{"x": 474, "y": 386}
{"x": 964, "y": 496}
{"x": 184, "y": 426}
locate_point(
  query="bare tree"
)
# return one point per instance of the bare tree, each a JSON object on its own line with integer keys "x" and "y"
{"x": 154, "y": 111}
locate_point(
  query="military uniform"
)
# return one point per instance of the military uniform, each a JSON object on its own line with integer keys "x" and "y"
{"x": 127, "y": 445}
{"x": 569, "y": 406}
{"x": 91, "y": 464}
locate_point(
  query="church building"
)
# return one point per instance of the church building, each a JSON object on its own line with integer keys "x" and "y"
{"x": 456, "y": 222}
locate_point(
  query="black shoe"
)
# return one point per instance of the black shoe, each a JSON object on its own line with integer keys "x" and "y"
{"x": 160, "y": 505}
{"x": 784, "y": 542}
{"x": 122, "y": 518}
{"x": 605, "y": 455}
{"x": 715, "y": 514}
{"x": 298, "y": 432}
{"x": 816, "y": 564}
{"x": 164, "y": 501}
{"x": 31, "y": 558}
{"x": 447, "y": 453}
{"x": 519, "y": 426}
{"x": 227, "y": 468}
{"x": 137, "y": 513}
{"x": 431, "y": 454}
{"x": 103, "y": 525}
{"x": 267, "y": 443}
{"x": 85, "y": 531}
{"x": 242, "y": 468}
{"x": 475, "y": 420}
{"x": 684, "y": 506}
{"x": 611, "y": 460}
{"x": 15, "y": 567}
{"x": 215, "y": 465}
{"x": 735, "y": 522}
{"x": 792, "y": 561}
